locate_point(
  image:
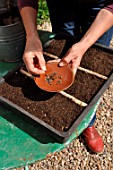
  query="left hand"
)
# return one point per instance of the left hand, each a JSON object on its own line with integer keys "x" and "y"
{"x": 73, "y": 56}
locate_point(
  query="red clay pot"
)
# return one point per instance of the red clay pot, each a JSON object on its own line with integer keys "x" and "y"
{"x": 55, "y": 78}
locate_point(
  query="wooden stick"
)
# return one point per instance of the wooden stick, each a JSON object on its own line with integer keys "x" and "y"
{"x": 93, "y": 73}
{"x": 50, "y": 55}
{"x": 77, "y": 101}
{"x": 61, "y": 92}
{"x": 26, "y": 73}
{"x": 81, "y": 68}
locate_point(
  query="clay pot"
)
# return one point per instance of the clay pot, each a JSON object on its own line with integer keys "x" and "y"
{"x": 55, "y": 78}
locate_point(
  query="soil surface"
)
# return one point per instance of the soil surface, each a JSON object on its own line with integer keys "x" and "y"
{"x": 95, "y": 59}
{"x": 53, "y": 108}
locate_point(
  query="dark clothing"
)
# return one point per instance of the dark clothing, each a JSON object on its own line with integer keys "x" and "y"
{"x": 74, "y": 17}
{"x": 30, "y": 3}
{"x": 34, "y": 3}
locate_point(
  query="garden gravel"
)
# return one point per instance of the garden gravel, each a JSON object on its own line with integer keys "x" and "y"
{"x": 76, "y": 156}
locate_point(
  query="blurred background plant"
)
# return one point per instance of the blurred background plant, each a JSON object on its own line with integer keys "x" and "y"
{"x": 43, "y": 13}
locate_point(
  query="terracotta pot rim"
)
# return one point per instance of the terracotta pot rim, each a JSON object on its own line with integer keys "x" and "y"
{"x": 55, "y": 78}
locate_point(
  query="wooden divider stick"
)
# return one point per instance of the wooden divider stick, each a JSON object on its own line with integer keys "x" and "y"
{"x": 50, "y": 55}
{"x": 77, "y": 101}
{"x": 26, "y": 73}
{"x": 80, "y": 68}
{"x": 92, "y": 72}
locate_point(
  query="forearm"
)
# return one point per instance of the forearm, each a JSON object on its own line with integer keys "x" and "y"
{"x": 102, "y": 23}
{"x": 29, "y": 17}
{"x": 33, "y": 47}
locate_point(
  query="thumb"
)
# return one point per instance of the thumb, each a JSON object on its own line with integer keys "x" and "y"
{"x": 74, "y": 70}
{"x": 74, "y": 66}
{"x": 62, "y": 63}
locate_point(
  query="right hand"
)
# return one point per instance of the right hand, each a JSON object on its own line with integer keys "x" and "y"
{"x": 74, "y": 56}
{"x": 33, "y": 56}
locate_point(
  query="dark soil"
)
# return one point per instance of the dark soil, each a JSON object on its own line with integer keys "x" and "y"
{"x": 97, "y": 60}
{"x": 53, "y": 108}
{"x": 94, "y": 59}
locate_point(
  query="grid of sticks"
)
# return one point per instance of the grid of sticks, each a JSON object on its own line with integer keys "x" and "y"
{"x": 75, "y": 100}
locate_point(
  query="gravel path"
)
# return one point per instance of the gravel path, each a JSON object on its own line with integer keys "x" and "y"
{"x": 76, "y": 156}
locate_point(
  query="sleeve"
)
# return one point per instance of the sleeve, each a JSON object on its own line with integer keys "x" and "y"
{"x": 109, "y": 6}
{"x": 28, "y": 3}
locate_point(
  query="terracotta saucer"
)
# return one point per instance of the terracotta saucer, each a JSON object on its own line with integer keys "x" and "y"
{"x": 55, "y": 78}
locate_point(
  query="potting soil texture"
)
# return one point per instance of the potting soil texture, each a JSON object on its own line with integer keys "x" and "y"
{"x": 53, "y": 108}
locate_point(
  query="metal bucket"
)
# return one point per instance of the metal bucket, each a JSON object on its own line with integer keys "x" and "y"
{"x": 12, "y": 42}
{"x": 4, "y": 5}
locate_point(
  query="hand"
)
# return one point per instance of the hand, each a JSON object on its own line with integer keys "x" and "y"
{"x": 33, "y": 56}
{"x": 74, "y": 56}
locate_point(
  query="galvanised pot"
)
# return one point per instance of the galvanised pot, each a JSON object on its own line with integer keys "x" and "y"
{"x": 12, "y": 42}
{"x": 4, "y": 5}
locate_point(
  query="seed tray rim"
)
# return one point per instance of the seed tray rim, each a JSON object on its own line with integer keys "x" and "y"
{"x": 60, "y": 136}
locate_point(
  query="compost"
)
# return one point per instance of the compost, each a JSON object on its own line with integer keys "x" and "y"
{"x": 53, "y": 108}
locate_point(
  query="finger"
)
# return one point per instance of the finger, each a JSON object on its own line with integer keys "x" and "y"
{"x": 74, "y": 70}
{"x": 41, "y": 61}
{"x": 67, "y": 59}
{"x": 29, "y": 62}
{"x": 75, "y": 65}
{"x": 36, "y": 71}
{"x": 63, "y": 62}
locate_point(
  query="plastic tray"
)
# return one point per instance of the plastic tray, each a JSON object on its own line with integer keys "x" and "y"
{"x": 60, "y": 136}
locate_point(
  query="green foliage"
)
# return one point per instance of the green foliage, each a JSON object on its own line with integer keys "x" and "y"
{"x": 43, "y": 13}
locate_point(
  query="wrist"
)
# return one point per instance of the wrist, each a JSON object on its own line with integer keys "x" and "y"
{"x": 31, "y": 34}
{"x": 34, "y": 43}
{"x": 82, "y": 46}
{"x": 86, "y": 43}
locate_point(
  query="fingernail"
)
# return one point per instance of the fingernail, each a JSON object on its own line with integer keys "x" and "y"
{"x": 62, "y": 63}
{"x": 44, "y": 68}
{"x": 74, "y": 71}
